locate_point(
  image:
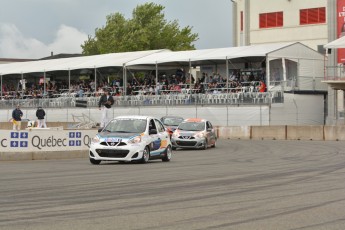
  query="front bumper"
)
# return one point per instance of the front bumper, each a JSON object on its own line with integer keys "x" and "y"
{"x": 127, "y": 152}
{"x": 195, "y": 143}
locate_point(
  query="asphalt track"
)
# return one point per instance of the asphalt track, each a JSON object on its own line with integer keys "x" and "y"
{"x": 238, "y": 185}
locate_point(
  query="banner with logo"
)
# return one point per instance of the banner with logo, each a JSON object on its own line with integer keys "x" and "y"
{"x": 45, "y": 140}
{"x": 341, "y": 28}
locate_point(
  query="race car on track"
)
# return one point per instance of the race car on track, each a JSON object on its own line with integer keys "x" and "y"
{"x": 131, "y": 138}
{"x": 171, "y": 123}
{"x": 194, "y": 133}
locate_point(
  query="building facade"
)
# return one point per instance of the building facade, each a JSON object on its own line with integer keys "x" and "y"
{"x": 312, "y": 22}
{"x": 275, "y": 21}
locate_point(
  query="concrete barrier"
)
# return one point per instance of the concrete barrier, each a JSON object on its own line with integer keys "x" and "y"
{"x": 334, "y": 133}
{"x": 15, "y": 156}
{"x": 60, "y": 155}
{"x": 276, "y": 132}
{"x": 47, "y": 155}
{"x": 234, "y": 132}
{"x": 9, "y": 125}
{"x": 310, "y": 132}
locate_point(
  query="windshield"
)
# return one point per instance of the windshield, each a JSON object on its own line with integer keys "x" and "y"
{"x": 192, "y": 126}
{"x": 126, "y": 126}
{"x": 172, "y": 121}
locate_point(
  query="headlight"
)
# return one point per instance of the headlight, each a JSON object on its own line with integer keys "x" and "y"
{"x": 135, "y": 140}
{"x": 199, "y": 135}
{"x": 95, "y": 140}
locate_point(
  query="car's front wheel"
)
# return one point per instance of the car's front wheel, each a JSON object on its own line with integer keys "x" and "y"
{"x": 94, "y": 162}
{"x": 146, "y": 155}
{"x": 205, "y": 145}
{"x": 168, "y": 154}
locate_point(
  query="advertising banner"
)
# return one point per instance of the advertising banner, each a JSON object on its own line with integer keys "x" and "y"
{"x": 341, "y": 27}
{"x": 45, "y": 140}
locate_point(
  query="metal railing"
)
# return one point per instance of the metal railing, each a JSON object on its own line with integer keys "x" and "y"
{"x": 335, "y": 73}
{"x": 240, "y": 98}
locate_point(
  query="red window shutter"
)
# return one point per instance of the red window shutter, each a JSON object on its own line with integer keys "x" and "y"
{"x": 280, "y": 19}
{"x": 313, "y": 16}
{"x": 262, "y": 21}
{"x": 322, "y": 15}
{"x": 267, "y": 20}
{"x": 271, "y": 20}
{"x": 303, "y": 17}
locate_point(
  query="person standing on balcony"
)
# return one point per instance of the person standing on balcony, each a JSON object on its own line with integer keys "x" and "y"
{"x": 104, "y": 104}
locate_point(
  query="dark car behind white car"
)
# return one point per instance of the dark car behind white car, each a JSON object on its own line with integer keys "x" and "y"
{"x": 194, "y": 133}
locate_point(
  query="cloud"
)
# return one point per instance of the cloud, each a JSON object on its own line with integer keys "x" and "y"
{"x": 13, "y": 44}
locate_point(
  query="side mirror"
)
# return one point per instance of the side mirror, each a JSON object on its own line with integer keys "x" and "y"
{"x": 100, "y": 130}
{"x": 153, "y": 131}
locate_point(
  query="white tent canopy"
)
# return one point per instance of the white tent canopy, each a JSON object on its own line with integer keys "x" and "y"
{"x": 166, "y": 58}
{"x": 86, "y": 62}
{"x": 209, "y": 54}
{"x": 338, "y": 43}
{"x": 142, "y": 58}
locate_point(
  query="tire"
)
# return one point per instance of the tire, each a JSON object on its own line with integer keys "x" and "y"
{"x": 214, "y": 145}
{"x": 168, "y": 154}
{"x": 173, "y": 148}
{"x": 205, "y": 145}
{"x": 146, "y": 155}
{"x": 94, "y": 162}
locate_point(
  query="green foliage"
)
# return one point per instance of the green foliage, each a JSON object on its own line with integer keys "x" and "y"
{"x": 147, "y": 30}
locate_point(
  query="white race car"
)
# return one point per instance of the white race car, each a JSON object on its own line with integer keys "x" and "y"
{"x": 131, "y": 138}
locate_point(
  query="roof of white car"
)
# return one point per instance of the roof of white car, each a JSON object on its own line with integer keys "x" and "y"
{"x": 133, "y": 117}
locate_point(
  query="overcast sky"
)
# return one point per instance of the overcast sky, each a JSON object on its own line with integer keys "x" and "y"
{"x": 35, "y": 28}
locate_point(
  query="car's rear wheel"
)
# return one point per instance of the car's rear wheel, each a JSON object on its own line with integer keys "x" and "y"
{"x": 94, "y": 162}
{"x": 173, "y": 148}
{"x": 168, "y": 154}
{"x": 146, "y": 155}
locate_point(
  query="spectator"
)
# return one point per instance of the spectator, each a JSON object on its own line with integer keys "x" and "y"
{"x": 262, "y": 87}
{"x": 17, "y": 118}
{"x": 104, "y": 104}
{"x": 40, "y": 114}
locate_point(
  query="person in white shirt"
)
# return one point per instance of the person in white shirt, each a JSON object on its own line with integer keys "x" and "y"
{"x": 104, "y": 104}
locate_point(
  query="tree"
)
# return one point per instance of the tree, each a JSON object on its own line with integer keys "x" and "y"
{"x": 147, "y": 30}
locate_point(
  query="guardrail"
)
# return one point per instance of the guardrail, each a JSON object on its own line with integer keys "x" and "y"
{"x": 334, "y": 73}
{"x": 240, "y": 98}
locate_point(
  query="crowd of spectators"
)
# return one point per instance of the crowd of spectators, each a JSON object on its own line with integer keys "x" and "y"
{"x": 179, "y": 82}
